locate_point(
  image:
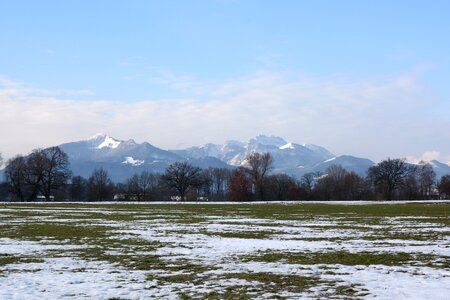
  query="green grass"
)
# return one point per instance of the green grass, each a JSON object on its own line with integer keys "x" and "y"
{"x": 12, "y": 259}
{"x": 274, "y": 283}
{"x": 352, "y": 259}
{"x": 54, "y": 231}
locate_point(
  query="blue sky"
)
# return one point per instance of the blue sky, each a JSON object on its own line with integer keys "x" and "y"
{"x": 156, "y": 56}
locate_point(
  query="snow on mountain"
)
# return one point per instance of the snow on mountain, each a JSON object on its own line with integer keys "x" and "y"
{"x": 329, "y": 160}
{"x": 318, "y": 149}
{"x": 101, "y": 140}
{"x": 109, "y": 142}
{"x": 131, "y": 161}
{"x": 123, "y": 158}
{"x": 287, "y": 146}
{"x": 120, "y": 158}
{"x": 232, "y": 152}
{"x": 287, "y": 156}
{"x": 350, "y": 163}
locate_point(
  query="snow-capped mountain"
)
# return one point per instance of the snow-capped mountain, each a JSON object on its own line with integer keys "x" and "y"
{"x": 102, "y": 147}
{"x": 286, "y": 155}
{"x": 291, "y": 158}
{"x": 120, "y": 158}
{"x": 123, "y": 158}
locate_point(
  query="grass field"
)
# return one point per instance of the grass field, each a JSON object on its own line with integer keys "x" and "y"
{"x": 225, "y": 251}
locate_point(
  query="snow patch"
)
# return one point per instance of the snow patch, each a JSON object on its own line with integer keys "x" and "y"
{"x": 331, "y": 159}
{"x": 134, "y": 162}
{"x": 287, "y": 146}
{"x": 67, "y": 277}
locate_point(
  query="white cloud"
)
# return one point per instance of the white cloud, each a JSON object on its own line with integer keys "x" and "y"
{"x": 431, "y": 155}
{"x": 374, "y": 118}
{"x": 428, "y": 156}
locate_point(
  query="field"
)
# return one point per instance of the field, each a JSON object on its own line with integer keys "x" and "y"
{"x": 225, "y": 251}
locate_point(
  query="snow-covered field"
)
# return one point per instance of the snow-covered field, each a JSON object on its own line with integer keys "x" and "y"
{"x": 222, "y": 251}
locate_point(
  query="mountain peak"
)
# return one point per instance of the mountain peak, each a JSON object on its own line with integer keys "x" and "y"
{"x": 131, "y": 142}
{"x": 109, "y": 142}
{"x": 104, "y": 140}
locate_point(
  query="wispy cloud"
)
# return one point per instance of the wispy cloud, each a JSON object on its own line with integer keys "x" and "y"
{"x": 375, "y": 118}
{"x": 12, "y": 86}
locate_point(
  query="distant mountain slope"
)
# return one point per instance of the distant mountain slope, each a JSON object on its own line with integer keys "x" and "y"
{"x": 105, "y": 148}
{"x": 441, "y": 169}
{"x": 350, "y": 163}
{"x": 120, "y": 158}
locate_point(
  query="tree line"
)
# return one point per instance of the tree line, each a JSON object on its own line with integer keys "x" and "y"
{"x": 45, "y": 175}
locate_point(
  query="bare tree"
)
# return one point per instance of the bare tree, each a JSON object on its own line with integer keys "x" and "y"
{"x": 409, "y": 188}
{"x": 388, "y": 175}
{"x": 141, "y": 186}
{"x": 339, "y": 184}
{"x": 258, "y": 167}
{"x": 148, "y": 183}
{"x": 307, "y": 181}
{"x": 240, "y": 186}
{"x": 100, "y": 186}
{"x": 336, "y": 178}
{"x": 220, "y": 178}
{"x": 204, "y": 189}
{"x": 444, "y": 186}
{"x": 15, "y": 175}
{"x": 281, "y": 186}
{"x": 330, "y": 185}
{"x": 36, "y": 164}
{"x": 78, "y": 189}
{"x": 132, "y": 189}
{"x": 355, "y": 187}
{"x": 56, "y": 171}
{"x": 427, "y": 179}
{"x": 181, "y": 177}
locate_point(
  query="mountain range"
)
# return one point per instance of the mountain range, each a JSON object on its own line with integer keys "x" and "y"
{"x": 123, "y": 158}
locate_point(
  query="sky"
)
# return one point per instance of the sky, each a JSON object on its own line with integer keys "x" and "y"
{"x": 365, "y": 78}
